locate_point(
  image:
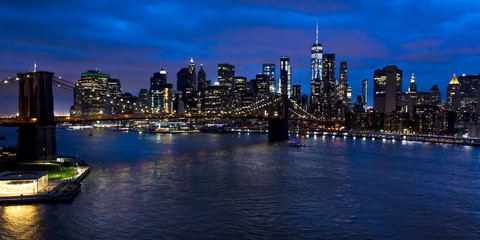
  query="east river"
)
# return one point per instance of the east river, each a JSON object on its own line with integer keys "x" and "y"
{"x": 241, "y": 186}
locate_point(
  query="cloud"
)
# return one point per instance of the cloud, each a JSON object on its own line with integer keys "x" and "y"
{"x": 132, "y": 39}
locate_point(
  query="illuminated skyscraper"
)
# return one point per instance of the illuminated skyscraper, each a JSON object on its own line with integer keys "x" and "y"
{"x": 262, "y": 84}
{"x": 114, "y": 97}
{"x": 226, "y": 75}
{"x": 343, "y": 84}
{"x": 316, "y": 71}
{"x": 90, "y": 93}
{"x": 191, "y": 77}
{"x": 387, "y": 89}
{"x": 365, "y": 93}
{"x": 453, "y": 95}
{"x": 297, "y": 91}
{"x": 157, "y": 84}
{"x": 413, "y": 87}
{"x": 285, "y": 81}
{"x": 329, "y": 84}
{"x": 268, "y": 69}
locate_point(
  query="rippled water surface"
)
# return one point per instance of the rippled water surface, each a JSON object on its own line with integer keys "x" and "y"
{"x": 240, "y": 186}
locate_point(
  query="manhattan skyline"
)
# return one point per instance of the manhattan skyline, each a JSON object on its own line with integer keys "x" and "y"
{"x": 130, "y": 40}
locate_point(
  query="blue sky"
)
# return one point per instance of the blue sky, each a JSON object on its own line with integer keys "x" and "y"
{"x": 132, "y": 39}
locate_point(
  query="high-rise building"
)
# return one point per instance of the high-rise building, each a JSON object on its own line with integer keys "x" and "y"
{"x": 191, "y": 77}
{"x": 262, "y": 84}
{"x": 241, "y": 84}
{"x": 297, "y": 91}
{"x": 387, "y": 89}
{"x": 143, "y": 101}
{"x": 436, "y": 98}
{"x": 129, "y": 103}
{"x": 453, "y": 95}
{"x": 285, "y": 81}
{"x": 158, "y": 80}
{"x": 182, "y": 76}
{"x": 316, "y": 59}
{"x": 226, "y": 75}
{"x": 202, "y": 79}
{"x": 413, "y": 87}
{"x": 365, "y": 93}
{"x": 343, "y": 83}
{"x": 329, "y": 84}
{"x": 114, "y": 97}
{"x": 90, "y": 93}
{"x": 269, "y": 70}
{"x": 157, "y": 85}
{"x": 469, "y": 92}
{"x": 168, "y": 98}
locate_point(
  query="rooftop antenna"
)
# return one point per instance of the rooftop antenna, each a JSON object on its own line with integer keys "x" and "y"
{"x": 316, "y": 41}
{"x": 34, "y": 67}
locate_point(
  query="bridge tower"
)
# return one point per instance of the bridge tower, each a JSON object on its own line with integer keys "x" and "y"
{"x": 278, "y": 112}
{"x": 36, "y": 140}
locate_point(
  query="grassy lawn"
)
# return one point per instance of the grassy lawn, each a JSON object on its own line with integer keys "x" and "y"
{"x": 55, "y": 171}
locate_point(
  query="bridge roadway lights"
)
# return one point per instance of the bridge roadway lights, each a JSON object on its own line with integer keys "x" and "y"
{"x": 277, "y": 129}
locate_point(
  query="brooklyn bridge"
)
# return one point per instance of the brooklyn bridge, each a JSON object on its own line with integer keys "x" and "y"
{"x": 36, "y": 122}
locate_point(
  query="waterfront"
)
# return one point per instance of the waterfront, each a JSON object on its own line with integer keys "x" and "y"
{"x": 150, "y": 186}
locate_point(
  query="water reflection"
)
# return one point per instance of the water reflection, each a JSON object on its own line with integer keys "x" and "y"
{"x": 20, "y": 222}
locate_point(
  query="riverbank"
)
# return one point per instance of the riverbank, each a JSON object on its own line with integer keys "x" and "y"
{"x": 396, "y": 136}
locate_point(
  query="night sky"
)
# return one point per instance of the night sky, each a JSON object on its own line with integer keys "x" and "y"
{"x": 132, "y": 39}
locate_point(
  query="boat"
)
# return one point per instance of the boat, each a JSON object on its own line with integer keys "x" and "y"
{"x": 296, "y": 142}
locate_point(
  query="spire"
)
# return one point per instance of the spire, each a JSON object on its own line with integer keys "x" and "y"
{"x": 191, "y": 59}
{"x": 454, "y": 80}
{"x": 34, "y": 67}
{"x": 413, "y": 87}
{"x": 316, "y": 36}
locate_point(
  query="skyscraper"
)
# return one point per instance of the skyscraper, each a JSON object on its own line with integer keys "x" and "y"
{"x": 343, "y": 83}
{"x": 114, "y": 97}
{"x": 226, "y": 75}
{"x": 202, "y": 79}
{"x": 90, "y": 93}
{"x": 285, "y": 81}
{"x": 297, "y": 91}
{"x": 365, "y": 93}
{"x": 262, "y": 84}
{"x": 387, "y": 89}
{"x": 191, "y": 77}
{"x": 453, "y": 94}
{"x": 413, "y": 87}
{"x": 182, "y": 76}
{"x": 316, "y": 71}
{"x": 157, "y": 85}
{"x": 329, "y": 84}
{"x": 268, "y": 69}
{"x": 241, "y": 84}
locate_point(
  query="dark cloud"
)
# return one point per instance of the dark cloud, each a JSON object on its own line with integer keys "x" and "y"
{"x": 132, "y": 39}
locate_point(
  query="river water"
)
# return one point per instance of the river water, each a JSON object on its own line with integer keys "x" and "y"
{"x": 241, "y": 186}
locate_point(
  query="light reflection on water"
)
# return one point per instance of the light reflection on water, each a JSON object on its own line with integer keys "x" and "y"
{"x": 20, "y": 222}
{"x": 242, "y": 186}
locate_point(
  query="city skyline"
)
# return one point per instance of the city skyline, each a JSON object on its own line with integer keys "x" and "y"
{"x": 432, "y": 44}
